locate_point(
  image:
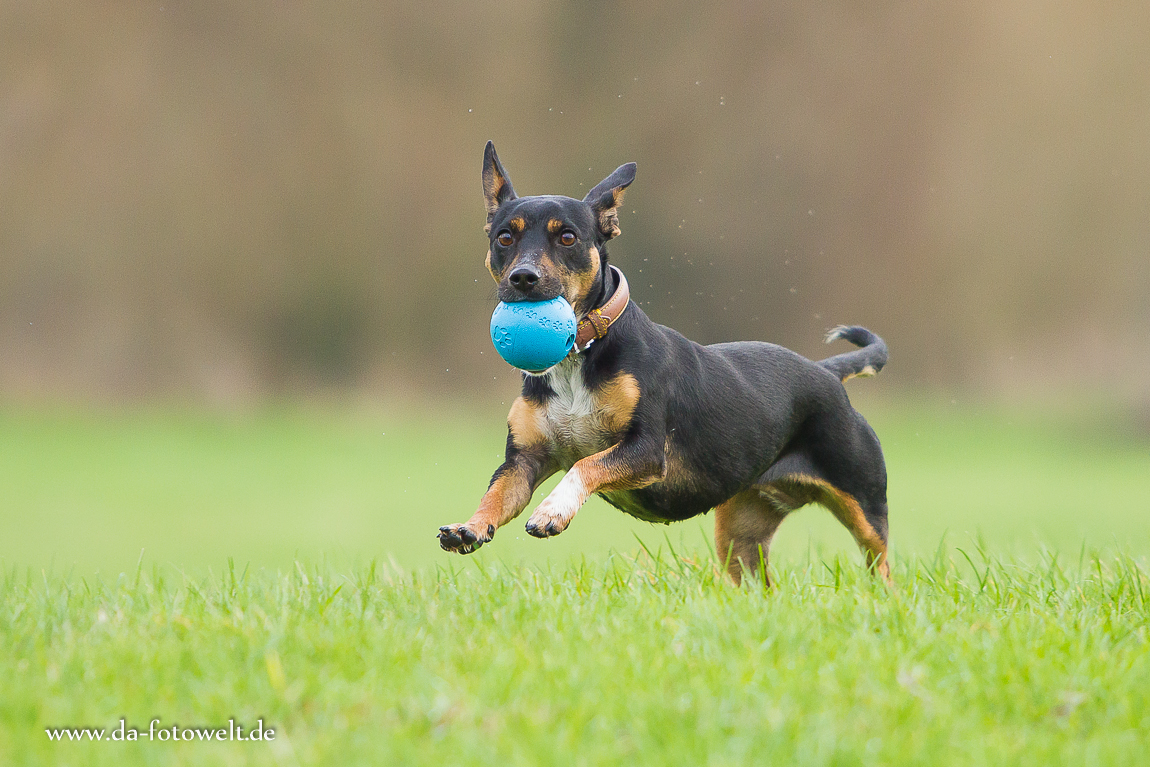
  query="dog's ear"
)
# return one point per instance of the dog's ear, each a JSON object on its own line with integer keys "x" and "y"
{"x": 497, "y": 188}
{"x": 607, "y": 196}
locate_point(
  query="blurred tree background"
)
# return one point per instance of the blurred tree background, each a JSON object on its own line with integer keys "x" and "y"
{"x": 222, "y": 202}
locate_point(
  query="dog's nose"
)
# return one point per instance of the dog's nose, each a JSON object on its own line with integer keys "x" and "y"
{"x": 524, "y": 278}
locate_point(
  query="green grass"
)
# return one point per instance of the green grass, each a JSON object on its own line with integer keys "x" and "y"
{"x": 653, "y": 660}
{"x": 281, "y": 565}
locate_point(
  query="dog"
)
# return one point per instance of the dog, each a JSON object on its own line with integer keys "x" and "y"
{"x": 661, "y": 427}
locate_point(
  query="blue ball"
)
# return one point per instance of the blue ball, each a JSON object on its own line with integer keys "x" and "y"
{"x": 533, "y": 335}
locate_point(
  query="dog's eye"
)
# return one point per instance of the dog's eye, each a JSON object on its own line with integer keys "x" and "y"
{"x": 505, "y": 239}
{"x": 567, "y": 239}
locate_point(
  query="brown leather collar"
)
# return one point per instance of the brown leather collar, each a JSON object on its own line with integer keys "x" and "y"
{"x": 595, "y": 325}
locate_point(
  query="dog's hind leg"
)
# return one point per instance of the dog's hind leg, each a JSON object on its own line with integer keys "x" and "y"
{"x": 866, "y": 522}
{"x": 744, "y": 527}
{"x": 847, "y": 477}
{"x": 854, "y": 471}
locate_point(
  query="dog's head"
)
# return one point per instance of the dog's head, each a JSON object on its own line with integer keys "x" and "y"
{"x": 547, "y": 245}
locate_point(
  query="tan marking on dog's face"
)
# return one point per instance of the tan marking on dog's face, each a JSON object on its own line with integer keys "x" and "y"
{"x": 517, "y": 224}
{"x": 617, "y": 400}
{"x": 487, "y": 263}
{"x": 528, "y": 424}
{"x": 577, "y": 286}
{"x": 554, "y": 226}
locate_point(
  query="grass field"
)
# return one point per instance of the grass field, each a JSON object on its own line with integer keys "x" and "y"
{"x": 653, "y": 661}
{"x": 282, "y": 566}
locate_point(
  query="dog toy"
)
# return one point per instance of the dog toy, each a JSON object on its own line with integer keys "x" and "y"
{"x": 533, "y": 335}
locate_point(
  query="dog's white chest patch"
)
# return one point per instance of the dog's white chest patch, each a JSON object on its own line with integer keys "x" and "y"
{"x": 574, "y": 419}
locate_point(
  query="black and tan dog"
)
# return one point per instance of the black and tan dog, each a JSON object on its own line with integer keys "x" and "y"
{"x": 657, "y": 425}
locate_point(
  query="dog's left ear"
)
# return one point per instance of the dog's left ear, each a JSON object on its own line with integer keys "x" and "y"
{"x": 607, "y": 196}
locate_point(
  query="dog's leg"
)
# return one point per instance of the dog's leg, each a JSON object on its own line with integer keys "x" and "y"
{"x": 865, "y": 520}
{"x": 744, "y": 527}
{"x": 526, "y": 465}
{"x": 864, "y": 524}
{"x": 509, "y": 493}
{"x": 629, "y": 465}
{"x": 850, "y": 480}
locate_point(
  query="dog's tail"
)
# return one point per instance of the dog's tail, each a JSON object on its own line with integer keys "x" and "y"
{"x": 864, "y": 362}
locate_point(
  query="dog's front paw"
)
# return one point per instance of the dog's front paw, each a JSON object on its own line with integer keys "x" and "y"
{"x": 547, "y": 521}
{"x": 462, "y": 538}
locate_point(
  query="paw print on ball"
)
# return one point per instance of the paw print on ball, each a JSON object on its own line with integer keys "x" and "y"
{"x": 502, "y": 338}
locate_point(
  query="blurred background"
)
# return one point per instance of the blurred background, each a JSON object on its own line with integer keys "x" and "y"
{"x": 225, "y": 207}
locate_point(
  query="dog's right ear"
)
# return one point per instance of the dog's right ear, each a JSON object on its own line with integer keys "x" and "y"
{"x": 497, "y": 188}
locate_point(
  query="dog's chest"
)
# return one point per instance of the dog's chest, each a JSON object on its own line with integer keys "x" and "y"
{"x": 575, "y": 420}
